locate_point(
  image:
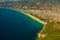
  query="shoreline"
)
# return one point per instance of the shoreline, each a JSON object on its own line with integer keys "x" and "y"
{"x": 39, "y": 35}
{"x": 31, "y": 16}
{"x": 35, "y": 18}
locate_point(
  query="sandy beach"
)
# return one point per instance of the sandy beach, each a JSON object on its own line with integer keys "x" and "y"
{"x": 33, "y": 17}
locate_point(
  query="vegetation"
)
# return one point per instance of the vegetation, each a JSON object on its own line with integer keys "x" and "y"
{"x": 52, "y": 31}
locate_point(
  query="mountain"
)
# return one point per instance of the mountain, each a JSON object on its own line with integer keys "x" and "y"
{"x": 30, "y": 2}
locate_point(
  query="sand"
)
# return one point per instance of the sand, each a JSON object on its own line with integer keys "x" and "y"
{"x": 33, "y": 17}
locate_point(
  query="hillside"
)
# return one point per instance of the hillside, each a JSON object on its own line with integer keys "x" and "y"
{"x": 51, "y": 31}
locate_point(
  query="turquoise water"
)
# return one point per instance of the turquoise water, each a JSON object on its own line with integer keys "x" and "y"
{"x": 15, "y": 25}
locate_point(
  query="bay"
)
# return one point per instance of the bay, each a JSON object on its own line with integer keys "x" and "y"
{"x": 15, "y": 25}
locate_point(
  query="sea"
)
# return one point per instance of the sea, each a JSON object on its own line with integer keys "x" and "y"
{"x": 15, "y": 25}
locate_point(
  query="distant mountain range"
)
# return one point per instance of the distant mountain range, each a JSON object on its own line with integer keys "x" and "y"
{"x": 8, "y": 0}
{"x": 30, "y": 2}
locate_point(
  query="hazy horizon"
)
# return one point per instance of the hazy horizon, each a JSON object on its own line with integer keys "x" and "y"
{"x": 8, "y": 0}
{"x": 58, "y": 1}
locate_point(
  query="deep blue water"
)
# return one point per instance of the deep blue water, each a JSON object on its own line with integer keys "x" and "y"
{"x": 15, "y": 25}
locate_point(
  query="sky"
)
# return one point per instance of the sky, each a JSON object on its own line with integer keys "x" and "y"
{"x": 7, "y": 0}
{"x": 22, "y": 0}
